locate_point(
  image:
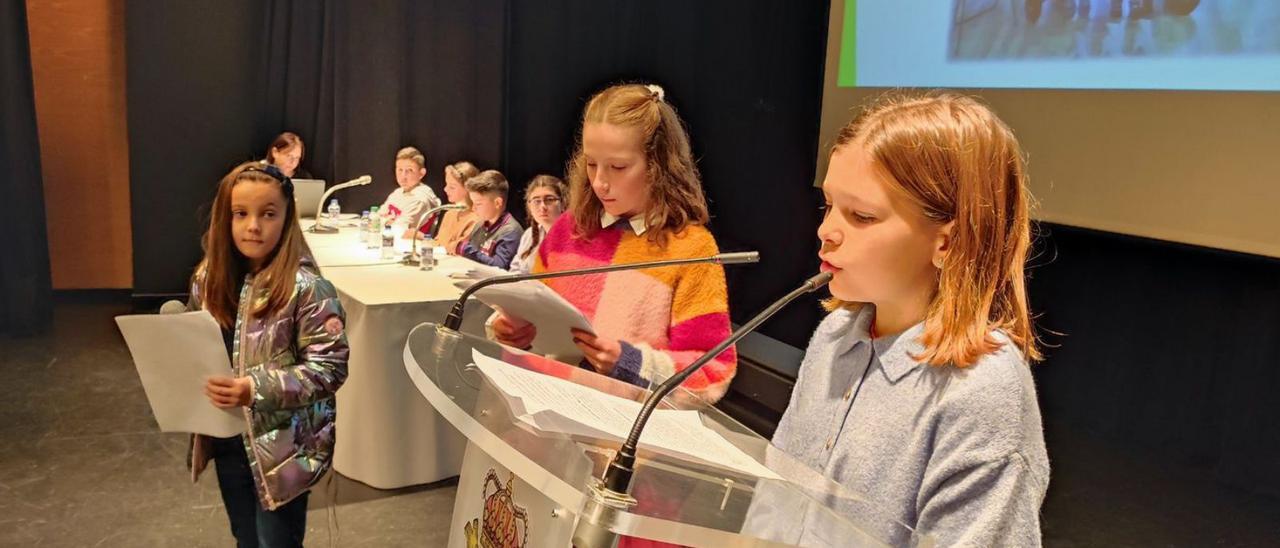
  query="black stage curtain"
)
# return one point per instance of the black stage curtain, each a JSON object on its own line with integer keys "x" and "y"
{"x": 191, "y": 93}
{"x": 211, "y": 83}
{"x": 1166, "y": 347}
{"x": 360, "y": 80}
{"x": 745, "y": 76}
{"x": 25, "y": 288}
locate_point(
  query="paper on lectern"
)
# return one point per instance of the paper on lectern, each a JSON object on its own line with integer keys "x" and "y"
{"x": 556, "y": 405}
{"x": 174, "y": 355}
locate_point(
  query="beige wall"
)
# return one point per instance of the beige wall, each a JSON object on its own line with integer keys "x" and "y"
{"x": 77, "y": 60}
{"x": 1194, "y": 167}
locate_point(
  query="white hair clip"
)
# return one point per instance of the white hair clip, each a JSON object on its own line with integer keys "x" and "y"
{"x": 657, "y": 91}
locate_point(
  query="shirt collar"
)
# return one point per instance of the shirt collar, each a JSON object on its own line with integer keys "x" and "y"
{"x": 895, "y": 353}
{"x": 859, "y": 330}
{"x": 637, "y": 222}
{"x": 501, "y": 219}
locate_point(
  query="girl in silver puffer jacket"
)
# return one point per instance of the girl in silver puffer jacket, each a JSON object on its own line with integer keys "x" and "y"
{"x": 284, "y": 330}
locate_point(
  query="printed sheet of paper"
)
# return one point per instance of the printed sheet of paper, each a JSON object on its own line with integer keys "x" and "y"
{"x": 175, "y": 354}
{"x": 557, "y": 405}
{"x": 540, "y": 305}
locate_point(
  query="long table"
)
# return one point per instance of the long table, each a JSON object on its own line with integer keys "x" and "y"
{"x": 387, "y": 434}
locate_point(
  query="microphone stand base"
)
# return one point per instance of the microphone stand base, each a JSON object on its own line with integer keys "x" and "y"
{"x": 601, "y": 510}
{"x": 320, "y": 229}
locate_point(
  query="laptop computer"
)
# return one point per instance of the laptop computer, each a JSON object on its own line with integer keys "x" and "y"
{"x": 306, "y": 194}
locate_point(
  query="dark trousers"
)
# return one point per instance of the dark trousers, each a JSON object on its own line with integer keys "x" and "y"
{"x": 252, "y": 526}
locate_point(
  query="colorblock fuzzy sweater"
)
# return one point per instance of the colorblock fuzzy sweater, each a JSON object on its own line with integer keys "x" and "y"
{"x": 665, "y": 318}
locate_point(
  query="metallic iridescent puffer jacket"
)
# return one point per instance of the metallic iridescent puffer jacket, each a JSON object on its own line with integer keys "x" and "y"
{"x": 297, "y": 358}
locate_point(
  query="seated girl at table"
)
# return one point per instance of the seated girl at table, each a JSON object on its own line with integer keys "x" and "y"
{"x": 544, "y": 199}
{"x": 413, "y": 198}
{"x": 915, "y": 391}
{"x": 283, "y": 328}
{"x": 455, "y": 225}
{"x": 635, "y": 196}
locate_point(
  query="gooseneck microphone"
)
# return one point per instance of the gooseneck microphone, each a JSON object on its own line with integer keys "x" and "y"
{"x": 617, "y": 477}
{"x": 320, "y": 229}
{"x": 608, "y": 497}
{"x": 412, "y": 258}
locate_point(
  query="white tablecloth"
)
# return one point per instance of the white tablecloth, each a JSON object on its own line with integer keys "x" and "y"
{"x": 387, "y": 434}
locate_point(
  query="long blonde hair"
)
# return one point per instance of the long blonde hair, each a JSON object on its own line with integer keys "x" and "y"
{"x": 954, "y": 158}
{"x": 223, "y": 265}
{"x": 675, "y": 189}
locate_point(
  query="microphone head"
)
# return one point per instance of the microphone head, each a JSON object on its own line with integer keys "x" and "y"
{"x": 823, "y": 278}
{"x": 173, "y": 307}
{"x": 455, "y": 206}
{"x": 739, "y": 257}
{"x": 363, "y": 180}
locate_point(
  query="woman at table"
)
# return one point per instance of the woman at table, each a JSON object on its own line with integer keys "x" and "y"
{"x": 636, "y": 195}
{"x": 286, "y": 152}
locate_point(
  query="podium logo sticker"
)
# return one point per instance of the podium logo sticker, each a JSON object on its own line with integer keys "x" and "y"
{"x": 502, "y": 524}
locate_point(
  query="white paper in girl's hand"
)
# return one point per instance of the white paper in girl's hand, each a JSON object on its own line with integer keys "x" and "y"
{"x": 538, "y": 304}
{"x": 175, "y": 354}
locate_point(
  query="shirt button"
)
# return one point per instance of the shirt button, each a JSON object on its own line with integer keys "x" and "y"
{"x": 848, "y": 393}
{"x": 828, "y": 444}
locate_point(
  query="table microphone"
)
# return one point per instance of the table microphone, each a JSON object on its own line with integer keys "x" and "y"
{"x": 611, "y": 495}
{"x": 317, "y": 228}
{"x": 412, "y": 258}
{"x": 454, "y": 319}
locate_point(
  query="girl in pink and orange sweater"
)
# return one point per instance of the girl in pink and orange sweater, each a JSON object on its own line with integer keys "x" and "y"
{"x": 635, "y": 195}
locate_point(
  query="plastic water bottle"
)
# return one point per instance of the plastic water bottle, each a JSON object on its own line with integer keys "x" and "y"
{"x": 427, "y": 258}
{"x": 364, "y": 226}
{"x": 372, "y": 235}
{"x": 334, "y": 211}
{"x": 388, "y": 240}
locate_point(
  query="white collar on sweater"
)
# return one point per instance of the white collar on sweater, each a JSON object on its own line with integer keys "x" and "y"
{"x": 637, "y": 222}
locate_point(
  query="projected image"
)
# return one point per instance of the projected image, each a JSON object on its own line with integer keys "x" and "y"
{"x": 1083, "y": 29}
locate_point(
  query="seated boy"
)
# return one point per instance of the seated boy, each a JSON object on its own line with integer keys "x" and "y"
{"x": 496, "y": 237}
{"x": 407, "y": 204}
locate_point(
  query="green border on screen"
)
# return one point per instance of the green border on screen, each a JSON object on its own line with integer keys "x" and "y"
{"x": 847, "y": 72}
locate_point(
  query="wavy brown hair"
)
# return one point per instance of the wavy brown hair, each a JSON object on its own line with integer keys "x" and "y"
{"x": 675, "y": 188}
{"x": 954, "y": 158}
{"x": 223, "y": 266}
